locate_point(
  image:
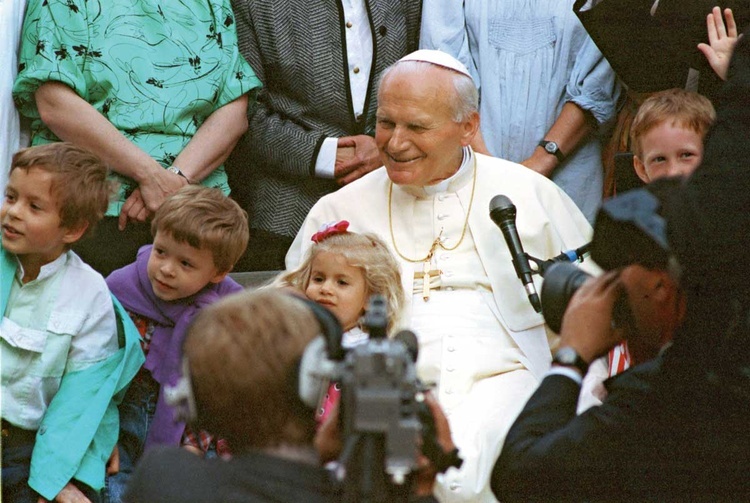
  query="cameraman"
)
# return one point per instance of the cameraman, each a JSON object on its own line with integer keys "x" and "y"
{"x": 673, "y": 428}
{"x": 241, "y": 365}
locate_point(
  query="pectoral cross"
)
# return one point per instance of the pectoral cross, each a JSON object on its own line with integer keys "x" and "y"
{"x": 427, "y": 271}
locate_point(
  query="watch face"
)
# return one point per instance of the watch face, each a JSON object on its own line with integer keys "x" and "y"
{"x": 566, "y": 356}
{"x": 551, "y": 147}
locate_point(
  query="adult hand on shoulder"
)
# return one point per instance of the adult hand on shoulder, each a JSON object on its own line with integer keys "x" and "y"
{"x": 352, "y": 165}
{"x": 721, "y": 40}
{"x": 69, "y": 494}
{"x": 587, "y": 323}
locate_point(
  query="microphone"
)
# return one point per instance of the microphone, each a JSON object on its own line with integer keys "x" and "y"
{"x": 503, "y": 213}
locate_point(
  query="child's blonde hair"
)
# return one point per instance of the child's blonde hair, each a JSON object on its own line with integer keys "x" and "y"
{"x": 205, "y": 218}
{"x": 366, "y": 251}
{"x": 687, "y": 109}
{"x": 79, "y": 182}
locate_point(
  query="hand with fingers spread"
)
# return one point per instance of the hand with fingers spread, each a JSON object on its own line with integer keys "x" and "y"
{"x": 722, "y": 37}
{"x": 587, "y": 323}
{"x": 355, "y": 157}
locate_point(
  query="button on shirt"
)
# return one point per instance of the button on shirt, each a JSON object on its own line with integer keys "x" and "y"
{"x": 60, "y": 322}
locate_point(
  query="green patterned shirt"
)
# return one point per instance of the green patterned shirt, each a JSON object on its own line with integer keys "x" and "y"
{"x": 155, "y": 69}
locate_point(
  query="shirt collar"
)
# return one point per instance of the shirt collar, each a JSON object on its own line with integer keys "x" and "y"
{"x": 46, "y": 271}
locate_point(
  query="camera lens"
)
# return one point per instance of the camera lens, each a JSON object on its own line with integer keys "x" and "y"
{"x": 561, "y": 281}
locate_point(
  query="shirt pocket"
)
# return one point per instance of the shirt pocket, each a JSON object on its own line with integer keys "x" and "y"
{"x": 61, "y": 327}
{"x": 22, "y": 349}
{"x": 522, "y": 36}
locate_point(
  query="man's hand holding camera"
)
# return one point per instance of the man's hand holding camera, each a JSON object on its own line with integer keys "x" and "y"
{"x": 588, "y": 326}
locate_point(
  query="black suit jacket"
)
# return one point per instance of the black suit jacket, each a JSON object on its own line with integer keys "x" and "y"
{"x": 646, "y": 442}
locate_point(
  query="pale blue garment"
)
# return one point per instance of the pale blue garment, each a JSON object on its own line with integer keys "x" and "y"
{"x": 529, "y": 57}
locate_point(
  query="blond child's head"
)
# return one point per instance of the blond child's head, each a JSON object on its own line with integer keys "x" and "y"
{"x": 199, "y": 234}
{"x": 667, "y": 133}
{"x": 343, "y": 269}
{"x": 243, "y": 356}
{"x": 56, "y": 193}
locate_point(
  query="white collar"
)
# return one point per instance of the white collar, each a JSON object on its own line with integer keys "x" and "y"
{"x": 451, "y": 184}
{"x": 46, "y": 271}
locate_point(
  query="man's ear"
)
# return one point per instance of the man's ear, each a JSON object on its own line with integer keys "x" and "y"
{"x": 640, "y": 169}
{"x": 73, "y": 234}
{"x": 469, "y": 127}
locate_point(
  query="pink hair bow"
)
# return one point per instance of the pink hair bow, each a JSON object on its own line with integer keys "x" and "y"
{"x": 327, "y": 230}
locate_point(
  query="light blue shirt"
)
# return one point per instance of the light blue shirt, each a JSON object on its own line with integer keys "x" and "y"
{"x": 529, "y": 57}
{"x": 63, "y": 321}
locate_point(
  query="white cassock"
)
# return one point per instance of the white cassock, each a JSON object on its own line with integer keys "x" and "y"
{"x": 480, "y": 341}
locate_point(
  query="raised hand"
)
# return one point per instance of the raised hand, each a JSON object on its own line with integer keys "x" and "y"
{"x": 722, "y": 37}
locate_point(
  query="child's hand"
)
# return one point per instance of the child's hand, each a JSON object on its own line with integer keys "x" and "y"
{"x": 113, "y": 463}
{"x": 193, "y": 449}
{"x": 69, "y": 494}
{"x": 721, "y": 41}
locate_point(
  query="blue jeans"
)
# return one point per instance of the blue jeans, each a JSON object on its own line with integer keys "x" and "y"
{"x": 136, "y": 415}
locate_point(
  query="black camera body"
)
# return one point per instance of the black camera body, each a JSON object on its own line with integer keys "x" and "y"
{"x": 629, "y": 229}
{"x": 380, "y": 394}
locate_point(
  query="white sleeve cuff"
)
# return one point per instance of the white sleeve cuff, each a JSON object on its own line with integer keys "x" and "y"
{"x": 565, "y": 371}
{"x": 326, "y": 161}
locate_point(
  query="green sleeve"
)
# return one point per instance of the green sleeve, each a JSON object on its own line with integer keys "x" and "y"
{"x": 53, "y": 48}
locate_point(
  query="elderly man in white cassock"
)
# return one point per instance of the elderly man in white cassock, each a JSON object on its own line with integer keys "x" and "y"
{"x": 480, "y": 341}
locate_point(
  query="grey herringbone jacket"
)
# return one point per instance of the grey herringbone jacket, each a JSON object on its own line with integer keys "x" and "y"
{"x": 297, "y": 49}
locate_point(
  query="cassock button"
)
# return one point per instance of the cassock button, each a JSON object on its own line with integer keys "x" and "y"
{"x": 383, "y": 31}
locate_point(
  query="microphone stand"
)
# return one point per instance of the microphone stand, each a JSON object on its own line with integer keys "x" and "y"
{"x": 571, "y": 256}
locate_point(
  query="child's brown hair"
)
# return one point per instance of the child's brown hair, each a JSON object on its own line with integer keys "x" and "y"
{"x": 687, "y": 109}
{"x": 205, "y": 218}
{"x": 243, "y": 354}
{"x": 79, "y": 183}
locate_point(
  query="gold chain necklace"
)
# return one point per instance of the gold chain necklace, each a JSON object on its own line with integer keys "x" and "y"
{"x": 437, "y": 241}
{"x": 427, "y": 272}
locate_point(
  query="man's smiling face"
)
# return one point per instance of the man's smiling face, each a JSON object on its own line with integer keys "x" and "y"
{"x": 420, "y": 143}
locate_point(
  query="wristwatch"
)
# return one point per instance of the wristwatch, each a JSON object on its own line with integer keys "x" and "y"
{"x": 569, "y": 357}
{"x": 177, "y": 171}
{"x": 551, "y": 148}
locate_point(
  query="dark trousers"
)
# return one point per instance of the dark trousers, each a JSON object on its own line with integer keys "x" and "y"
{"x": 109, "y": 248}
{"x": 17, "y": 446}
{"x": 265, "y": 252}
{"x": 136, "y": 415}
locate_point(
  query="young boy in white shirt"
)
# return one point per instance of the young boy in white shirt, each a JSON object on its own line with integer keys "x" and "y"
{"x": 63, "y": 360}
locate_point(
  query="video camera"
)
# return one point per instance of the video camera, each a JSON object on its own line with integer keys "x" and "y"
{"x": 629, "y": 229}
{"x": 383, "y": 417}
